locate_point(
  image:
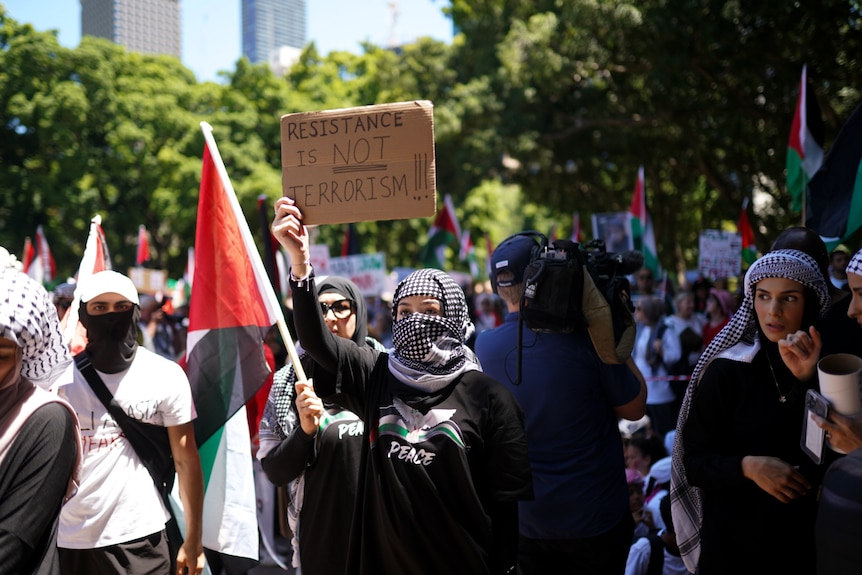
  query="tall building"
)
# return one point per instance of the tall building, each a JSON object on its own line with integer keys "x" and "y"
{"x": 147, "y": 26}
{"x": 268, "y": 26}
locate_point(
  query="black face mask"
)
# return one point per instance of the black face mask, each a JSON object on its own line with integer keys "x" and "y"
{"x": 112, "y": 338}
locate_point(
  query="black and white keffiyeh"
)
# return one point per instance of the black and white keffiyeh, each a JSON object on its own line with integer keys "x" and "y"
{"x": 855, "y": 265}
{"x": 429, "y": 351}
{"x": 738, "y": 341}
{"x": 29, "y": 319}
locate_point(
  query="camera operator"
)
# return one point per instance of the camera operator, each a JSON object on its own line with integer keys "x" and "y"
{"x": 572, "y": 402}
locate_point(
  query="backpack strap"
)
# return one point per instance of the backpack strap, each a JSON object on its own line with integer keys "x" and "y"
{"x": 139, "y": 434}
{"x": 82, "y": 361}
{"x": 150, "y": 442}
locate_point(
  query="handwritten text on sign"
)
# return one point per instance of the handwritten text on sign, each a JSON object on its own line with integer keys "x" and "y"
{"x": 356, "y": 164}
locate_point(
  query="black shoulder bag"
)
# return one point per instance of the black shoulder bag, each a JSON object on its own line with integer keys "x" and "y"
{"x": 150, "y": 442}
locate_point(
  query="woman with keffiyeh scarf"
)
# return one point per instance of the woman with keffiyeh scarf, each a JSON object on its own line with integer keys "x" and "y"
{"x": 743, "y": 492}
{"x": 445, "y": 456}
{"x": 39, "y": 438}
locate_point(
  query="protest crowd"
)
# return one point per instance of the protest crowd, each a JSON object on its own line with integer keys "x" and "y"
{"x": 572, "y": 408}
{"x": 429, "y": 430}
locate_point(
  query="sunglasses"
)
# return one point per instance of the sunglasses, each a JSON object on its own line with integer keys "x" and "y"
{"x": 340, "y": 309}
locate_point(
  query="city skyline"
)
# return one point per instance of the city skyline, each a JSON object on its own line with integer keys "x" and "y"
{"x": 146, "y": 26}
{"x": 211, "y": 29}
{"x": 268, "y": 25}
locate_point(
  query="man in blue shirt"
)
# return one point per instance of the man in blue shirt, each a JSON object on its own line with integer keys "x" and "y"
{"x": 572, "y": 401}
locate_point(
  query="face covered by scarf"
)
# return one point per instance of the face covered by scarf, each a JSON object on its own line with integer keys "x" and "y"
{"x": 426, "y": 344}
{"x": 112, "y": 338}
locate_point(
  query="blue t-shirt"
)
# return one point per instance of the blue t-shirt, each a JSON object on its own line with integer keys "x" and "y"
{"x": 576, "y": 455}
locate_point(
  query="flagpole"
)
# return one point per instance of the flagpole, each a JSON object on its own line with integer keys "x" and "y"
{"x": 271, "y": 300}
{"x": 85, "y": 270}
{"x": 804, "y": 206}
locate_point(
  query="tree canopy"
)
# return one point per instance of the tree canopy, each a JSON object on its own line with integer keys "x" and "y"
{"x": 542, "y": 108}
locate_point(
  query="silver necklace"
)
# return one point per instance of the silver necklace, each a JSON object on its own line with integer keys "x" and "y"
{"x": 782, "y": 398}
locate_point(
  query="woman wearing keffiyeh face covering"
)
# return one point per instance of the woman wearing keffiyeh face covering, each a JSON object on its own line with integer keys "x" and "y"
{"x": 39, "y": 438}
{"x": 743, "y": 491}
{"x": 444, "y": 459}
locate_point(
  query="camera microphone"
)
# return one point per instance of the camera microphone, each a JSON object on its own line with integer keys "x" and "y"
{"x": 629, "y": 262}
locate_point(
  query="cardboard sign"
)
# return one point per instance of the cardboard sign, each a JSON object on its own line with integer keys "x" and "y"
{"x": 359, "y": 164}
{"x": 149, "y": 281}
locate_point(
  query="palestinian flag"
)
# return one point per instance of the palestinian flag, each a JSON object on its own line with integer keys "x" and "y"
{"x": 38, "y": 259}
{"x": 445, "y": 230}
{"x": 468, "y": 254}
{"x": 96, "y": 258}
{"x": 233, "y": 305}
{"x": 232, "y": 308}
{"x": 29, "y": 256}
{"x": 805, "y": 146}
{"x": 746, "y": 234}
{"x": 835, "y": 192}
{"x": 642, "y": 230}
{"x": 143, "y": 252}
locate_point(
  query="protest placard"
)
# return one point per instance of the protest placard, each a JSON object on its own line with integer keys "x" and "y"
{"x": 148, "y": 280}
{"x": 720, "y": 254}
{"x": 367, "y": 271}
{"x": 358, "y": 164}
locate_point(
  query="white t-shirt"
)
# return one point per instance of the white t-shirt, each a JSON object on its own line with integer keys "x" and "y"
{"x": 117, "y": 500}
{"x": 639, "y": 556}
{"x": 658, "y": 386}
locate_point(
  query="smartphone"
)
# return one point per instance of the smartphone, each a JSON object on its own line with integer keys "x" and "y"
{"x": 813, "y": 437}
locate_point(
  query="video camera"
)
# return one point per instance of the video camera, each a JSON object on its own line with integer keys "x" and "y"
{"x": 569, "y": 287}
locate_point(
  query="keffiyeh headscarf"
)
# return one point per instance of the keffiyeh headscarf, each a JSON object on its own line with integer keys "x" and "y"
{"x": 29, "y": 320}
{"x": 429, "y": 351}
{"x": 738, "y": 340}
{"x": 855, "y": 265}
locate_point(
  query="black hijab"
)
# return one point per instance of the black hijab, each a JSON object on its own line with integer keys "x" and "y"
{"x": 350, "y": 291}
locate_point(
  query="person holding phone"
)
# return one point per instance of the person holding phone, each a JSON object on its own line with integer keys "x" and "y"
{"x": 744, "y": 494}
{"x": 838, "y": 531}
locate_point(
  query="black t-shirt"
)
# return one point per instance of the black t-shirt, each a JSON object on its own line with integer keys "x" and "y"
{"x": 33, "y": 480}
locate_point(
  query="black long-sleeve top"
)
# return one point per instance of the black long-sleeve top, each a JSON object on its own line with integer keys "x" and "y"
{"x": 736, "y": 412}
{"x": 441, "y": 472}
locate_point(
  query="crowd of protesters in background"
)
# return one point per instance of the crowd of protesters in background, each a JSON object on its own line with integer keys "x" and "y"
{"x": 686, "y": 331}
